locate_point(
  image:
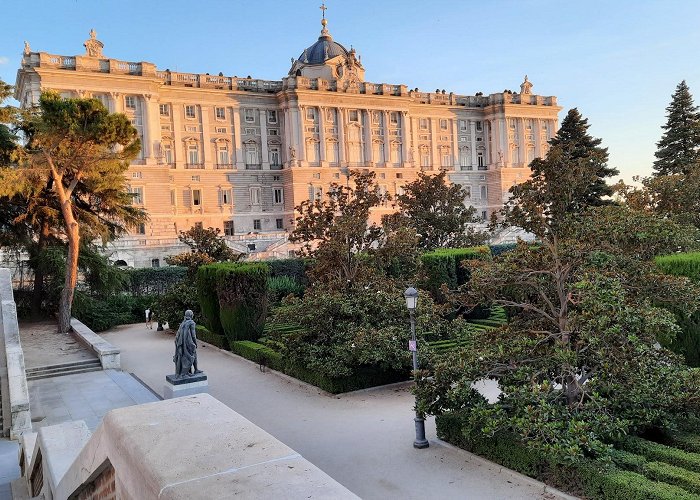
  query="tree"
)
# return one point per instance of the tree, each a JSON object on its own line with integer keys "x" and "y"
{"x": 336, "y": 231}
{"x": 437, "y": 211}
{"x": 77, "y": 152}
{"x": 206, "y": 246}
{"x": 678, "y": 151}
{"x": 568, "y": 180}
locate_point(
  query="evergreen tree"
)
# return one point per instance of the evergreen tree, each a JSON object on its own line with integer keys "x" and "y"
{"x": 570, "y": 179}
{"x": 679, "y": 148}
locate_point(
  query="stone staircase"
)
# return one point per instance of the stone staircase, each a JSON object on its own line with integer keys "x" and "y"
{"x": 58, "y": 370}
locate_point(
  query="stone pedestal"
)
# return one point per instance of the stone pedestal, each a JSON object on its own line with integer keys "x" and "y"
{"x": 186, "y": 386}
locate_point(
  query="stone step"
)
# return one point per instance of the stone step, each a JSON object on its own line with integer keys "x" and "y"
{"x": 19, "y": 489}
{"x": 63, "y": 365}
{"x": 64, "y": 371}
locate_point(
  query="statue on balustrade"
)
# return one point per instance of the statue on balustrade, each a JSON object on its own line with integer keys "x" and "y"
{"x": 185, "y": 358}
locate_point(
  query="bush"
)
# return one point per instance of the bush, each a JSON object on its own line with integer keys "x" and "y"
{"x": 444, "y": 266}
{"x": 233, "y": 297}
{"x": 170, "y": 308}
{"x": 497, "y": 250}
{"x": 295, "y": 269}
{"x": 154, "y": 280}
{"x": 662, "y": 453}
{"x": 102, "y": 314}
{"x": 680, "y": 264}
{"x": 686, "y": 441}
{"x": 258, "y": 353}
{"x": 217, "y": 340}
{"x": 279, "y": 287}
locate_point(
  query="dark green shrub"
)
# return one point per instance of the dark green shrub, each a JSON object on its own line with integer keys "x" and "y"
{"x": 153, "y": 280}
{"x": 497, "y": 250}
{"x": 444, "y": 266}
{"x": 170, "y": 308}
{"x": 207, "y": 281}
{"x": 206, "y": 336}
{"x": 686, "y": 479}
{"x": 680, "y": 264}
{"x": 279, "y": 287}
{"x": 662, "y": 453}
{"x": 295, "y": 269}
{"x": 258, "y": 353}
{"x": 628, "y": 485}
{"x": 686, "y": 441}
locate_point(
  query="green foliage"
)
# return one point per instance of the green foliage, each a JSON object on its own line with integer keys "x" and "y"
{"x": 679, "y": 148}
{"x": 170, "y": 307}
{"x": 258, "y": 353}
{"x": 686, "y": 441}
{"x": 497, "y": 250}
{"x": 216, "y": 340}
{"x": 339, "y": 333}
{"x": 662, "y": 453}
{"x": 444, "y": 266}
{"x": 435, "y": 209}
{"x": 233, "y": 297}
{"x": 279, "y": 287}
{"x": 153, "y": 280}
{"x": 680, "y": 264}
{"x": 206, "y": 247}
{"x": 295, "y": 269}
{"x": 101, "y": 314}
{"x": 686, "y": 479}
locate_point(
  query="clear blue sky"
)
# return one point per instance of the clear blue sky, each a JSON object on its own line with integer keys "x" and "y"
{"x": 618, "y": 61}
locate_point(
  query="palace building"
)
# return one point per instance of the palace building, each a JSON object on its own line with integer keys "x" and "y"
{"x": 240, "y": 153}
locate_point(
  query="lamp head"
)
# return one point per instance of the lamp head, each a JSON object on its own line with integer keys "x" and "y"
{"x": 411, "y": 295}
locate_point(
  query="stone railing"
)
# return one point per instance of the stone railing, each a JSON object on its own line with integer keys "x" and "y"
{"x": 136, "y": 452}
{"x": 110, "y": 357}
{"x": 15, "y": 393}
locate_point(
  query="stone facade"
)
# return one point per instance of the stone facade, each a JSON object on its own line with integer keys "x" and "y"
{"x": 240, "y": 153}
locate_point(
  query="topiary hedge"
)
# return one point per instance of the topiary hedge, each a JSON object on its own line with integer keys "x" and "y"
{"x": 233, "y": 297}
{"x": 444, "y": 266}
{"x": 153, "y": 280}
{"x": 212, "y": 338}
{"x": 295, "y": 269}
{"x": 680, "y": 264}
{"x": 585, "y": 477}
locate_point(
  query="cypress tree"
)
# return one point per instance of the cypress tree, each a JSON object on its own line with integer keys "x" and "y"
{"x": 679, "y": 148}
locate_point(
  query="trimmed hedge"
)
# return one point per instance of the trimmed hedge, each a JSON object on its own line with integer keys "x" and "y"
{"x": 587, "y": 477}
{"x": 686, "y": 441}
{"x": 233, "y": 297}
{"x": 102, "y": 314}
{"x": 680, "y": 264}
{"x": 295, "y": 269}
{"x": 212, "y": 338}
{"x": 662, "y": 453}
{"x": 363, "y": 379}
{"x": 497, "y": 250}
{"x": 153, "y": 280}
{"x": 444, "y": 266}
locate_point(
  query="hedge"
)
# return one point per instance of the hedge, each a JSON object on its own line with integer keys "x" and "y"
{"x": 102, "y": 314}
{"x": 662, "y": 453}
{"x": 588, "y": 477}
{"x": 212, "y": 338}
{"x": 364, "y": 378}
{"x": 497, "y": 250}
{"x": 207, "y": 277}
{"x": 444, "y": 266}
{"x": 292, "y": 268}
{"x": 680, "y": 264}
{"x": 153, "y": 280}
{"x": 242, "y": 292}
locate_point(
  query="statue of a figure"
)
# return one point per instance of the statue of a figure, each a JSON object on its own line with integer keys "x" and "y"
{"x": 526, "y": 86}
{"x": 186, "y": 347}
{"x": 292, "y": 153}
{"x": 27, "y": 49}
{"x": 93, "y": 47}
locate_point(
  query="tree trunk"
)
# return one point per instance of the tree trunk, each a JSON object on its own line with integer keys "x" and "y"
{"x": 66, "y": 303}
{"x": 38, "y": 291}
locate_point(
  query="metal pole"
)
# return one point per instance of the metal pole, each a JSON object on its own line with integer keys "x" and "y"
{"x": 420, "y": 442}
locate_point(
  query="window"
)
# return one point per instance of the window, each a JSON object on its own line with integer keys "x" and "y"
{"x": 376, "y": 117}
{"x": 197, "y": 198}
{"x": 443, "y": 124}
{"x": 130, "y": 102}
{"x": 272, "y": 117}
{"x": 164, "y": 110}
{"x": 423, "y": 123}
{"x": 220, "y": 130}
{"x": 251, "y": 131}
{"x": 278, "y": 195}
{"x": 462, "y": 125}
{"x": 220, "y": 113}
{"x": 196, "y": 178}
{"x": 198, "y": 225}
{"x": 251, "y": 154}
{"x": 275, "y": 157}
{"x": 425, "y": 157}
{"x": 311, "y": 114}
{"x": 190, "y": 111}
{"x": 167, "y": 153}
{"x": 317, "y": 175}
{"x": 446, "y": 158}
{"x": 255, "y": 195}
{"x": 353, "y": 115}
{"x": 136, "y": 175}
{"x": 273, "y": 131}
{"x": 222, "y": 155}
{"x": 225, "y": 197}
{"x": 155, "y": 262}
{"x": 479, "y": 126}
{"x": 279, "y": 223}
{"x": 228, "y": 228}
{"x": 193, "y": 154}
{"x": 394, "y": 118}
{"x": 141, "y": 229}
{"x": 399, "y": 176}
{"x": 257, "y": 226}
{"x": 483, "y": 192}
{"x": 514, "y": 155}
{"x": 249, "y": 116}
{"x": 276, "y": 177}
{"x": 191, "y": 128}
{"x": 463, "y": 157}
{"x": 173, "y": 197}
{"x": 480, "y": 159}
{"x": 137, "y": 195}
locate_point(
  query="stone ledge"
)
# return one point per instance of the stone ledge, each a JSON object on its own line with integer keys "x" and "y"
{"x": 109, "y": 355}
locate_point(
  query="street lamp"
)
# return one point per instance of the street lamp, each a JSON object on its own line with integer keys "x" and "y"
{"x": 411, "y": 295}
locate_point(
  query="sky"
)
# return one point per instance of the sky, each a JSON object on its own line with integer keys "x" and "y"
{"x": 617, "y": 61}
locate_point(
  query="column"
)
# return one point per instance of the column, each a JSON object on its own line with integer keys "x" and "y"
{"x": 455, "y": 145}
{"x": 487, "y": 143}
{"x": 207, "y": 146}
{"x": 263, "y": 140}
{"x": 177, "y": 135}
{"x": 367, "y": 136}
{"x": 322, "y": 135}
{"x": 504, "y": 146}
{"x": 435, "y": 152}
{"x": 151, "y": 127}
{"x": 538, "y": 138}
{"x": 472, "y": 142}
{"x": 415, "y": 156}
{"x": 117, "y": 102}
{"x": 340, "y": 118}
{"x": 387, "y": 139}
{"x": 237, "y": 141}
{"x": 522, "y": 143}
{"x": 298, "y": 124}
{"x": 405, "y": 141}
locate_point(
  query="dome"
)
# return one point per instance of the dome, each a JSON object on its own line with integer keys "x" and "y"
{"x": 325, "y": 48}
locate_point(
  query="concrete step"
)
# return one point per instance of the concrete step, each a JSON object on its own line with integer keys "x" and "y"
{"x": 62, "y": 365}
{"x": 59, "y": 372}
{"x": 19, "y": 489}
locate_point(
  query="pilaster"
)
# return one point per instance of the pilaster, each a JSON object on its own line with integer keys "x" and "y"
{"x": 237, "y": 140}
{"x": 263, "y": 140}
{"x": 206, "y": 139}
{"x": 322, "y": 135}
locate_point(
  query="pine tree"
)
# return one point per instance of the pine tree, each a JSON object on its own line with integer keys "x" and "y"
{"x": 679, "y": 148}
{"x": 570, "y": 179}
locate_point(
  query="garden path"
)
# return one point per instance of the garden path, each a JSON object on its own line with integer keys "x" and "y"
{"x": 363, "y": 439}
{"x": 43, "y": 345}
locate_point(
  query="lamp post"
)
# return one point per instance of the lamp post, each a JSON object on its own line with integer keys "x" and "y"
{"x": 411, "y": 295}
